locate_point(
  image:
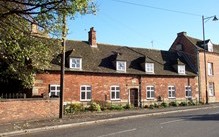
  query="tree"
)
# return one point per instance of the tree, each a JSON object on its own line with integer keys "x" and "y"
{"x": 23, "y": 53}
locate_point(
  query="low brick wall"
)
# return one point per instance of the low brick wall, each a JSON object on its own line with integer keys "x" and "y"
{"x": 28, "y": 109}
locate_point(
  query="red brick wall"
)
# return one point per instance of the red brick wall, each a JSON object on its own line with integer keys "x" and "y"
{"x": 101, "y": 83}
{"x": 161, "y": 86}
{"x": 210, "y": 58}
{"x": 28, "y": 109}
{"x": 188, "y": 47}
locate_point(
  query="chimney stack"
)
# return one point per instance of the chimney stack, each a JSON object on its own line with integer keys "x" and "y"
{"x": 92, "y": 37}
{"x": 182, "y": 33}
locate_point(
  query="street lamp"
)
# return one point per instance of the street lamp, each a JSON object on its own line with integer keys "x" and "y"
{"x": 205, "y": 19}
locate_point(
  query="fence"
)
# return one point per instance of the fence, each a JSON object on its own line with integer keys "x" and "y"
{"x": 12, "y": 95}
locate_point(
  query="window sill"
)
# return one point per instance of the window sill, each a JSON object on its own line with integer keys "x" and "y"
{"x": 150, "y": 98}
{"x": 75, "y": 69}
{"x": 115, "y": 99}
{"x": 150, "y": 73}
{"x": 120, "y": 71}
{"x": 86, "y": 100}
{"x": 171, "y": 97}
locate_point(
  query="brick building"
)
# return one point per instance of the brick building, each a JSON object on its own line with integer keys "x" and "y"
{"x": 119, "y": 74}
{"x": 194, "y": 49}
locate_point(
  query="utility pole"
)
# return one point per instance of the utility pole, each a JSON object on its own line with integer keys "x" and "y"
{"x": 62, "y": 82}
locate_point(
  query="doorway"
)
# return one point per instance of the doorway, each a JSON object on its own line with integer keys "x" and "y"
{"x": 134, "y": 97}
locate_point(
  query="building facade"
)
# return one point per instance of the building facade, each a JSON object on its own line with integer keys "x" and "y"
{"x": 205, "y": 59}
{"x": 119, "y": 74}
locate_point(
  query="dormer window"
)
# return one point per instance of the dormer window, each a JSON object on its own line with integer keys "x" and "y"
{"x": 121, "y": 66}
{"x": 75, "y": 63}
{"x": 207, "y": 45}
{"x": 210, "y": 47}
{"x": 149, "y": 67}
{"x": 181, "y": 69}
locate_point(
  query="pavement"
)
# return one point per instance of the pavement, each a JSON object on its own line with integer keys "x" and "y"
{"x": 85, "y": 118}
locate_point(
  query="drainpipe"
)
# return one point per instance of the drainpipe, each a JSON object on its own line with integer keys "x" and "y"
{"x": 199, "y": 78}
{"x": 139, "y": 79}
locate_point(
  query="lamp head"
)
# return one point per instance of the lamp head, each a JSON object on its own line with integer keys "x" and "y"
{"x": 215, "y": 18}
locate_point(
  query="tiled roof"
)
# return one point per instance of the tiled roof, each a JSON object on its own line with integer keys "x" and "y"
{"x": 198, "y": 43}
{"x": 102, "y": 59}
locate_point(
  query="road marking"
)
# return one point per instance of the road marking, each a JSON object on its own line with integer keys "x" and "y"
{"x": 171, "y": 121}
{"x": 124, "y": 131}
{"x": 178, "y": 120}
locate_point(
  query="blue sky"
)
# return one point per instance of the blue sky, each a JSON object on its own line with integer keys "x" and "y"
{"x": 150, "y": 24}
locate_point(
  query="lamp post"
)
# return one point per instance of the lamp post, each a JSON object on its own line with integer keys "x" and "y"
{"x": 205, "y": 19}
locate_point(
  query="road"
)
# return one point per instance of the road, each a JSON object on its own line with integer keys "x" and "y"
{"x": 200, "y": 123}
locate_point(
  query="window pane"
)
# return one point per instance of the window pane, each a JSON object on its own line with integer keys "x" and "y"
{"x": 117, "y": 95}
{"x": 58, "y": 88}
{"x": 113, "y": 95}
{"x": 170, "y": 94}
{"x": 53, "y": 93}
{"x": 173, "y": 94}
{"x": 152, "y": 94}
{"x": 52, "y": 88}
{"x": 82, "y": 95}
{"x": 88, "y": 95}
{"x": 148, "y": 94}
{"x": 88, "y": 88}
{"x": 82, "y": 88}
{"x": 58, "y": 94}
{"x": 117, "y": 88}
{"x": 112, "y": 88}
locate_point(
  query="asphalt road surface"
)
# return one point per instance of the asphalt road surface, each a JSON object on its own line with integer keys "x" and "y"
{"x": 200, "y": 123}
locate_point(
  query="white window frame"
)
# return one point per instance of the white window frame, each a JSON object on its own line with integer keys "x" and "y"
{"x": 150, "y": 89}
{"x": 56, "y": 90}
{"x": 210, "y": 47}
{"x": 181, "y": 69}
{"x": 75, "y": 63}
{"x": 188, "y": 91}
{"x": 149, "y": 67}
{"x": 211, "y": 90}
{"x": 86, "y": 91}
{"x": 115, "y": 91}
{"x": 210, "y": 69}
{"x": 171, "y": 89}
{"x": 119, "y": 67}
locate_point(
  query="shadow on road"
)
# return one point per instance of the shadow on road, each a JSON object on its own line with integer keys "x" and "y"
{"x": 204, "y": 117}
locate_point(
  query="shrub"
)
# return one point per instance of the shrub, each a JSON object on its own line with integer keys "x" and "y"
{"x": 183, "y": 104}
{"x": 164, "y": 104}
{"x": 116, "y": 107}
{"x": 94, "y": 107}
{"x": 151, "y": 106}
{"x": 156, "y": 105}
{"x": 191, "y": 103}
{"x": 146, "y": 106}
{"x": 173, "y": 103}
{"x": 127, "y": 106}
{"x": 74, "y": 107}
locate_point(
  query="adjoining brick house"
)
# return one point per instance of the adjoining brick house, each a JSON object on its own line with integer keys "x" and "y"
{"x": 194, "y": 48}
{"x": 119, "y": 74}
